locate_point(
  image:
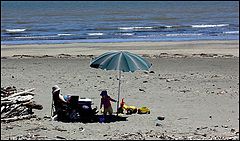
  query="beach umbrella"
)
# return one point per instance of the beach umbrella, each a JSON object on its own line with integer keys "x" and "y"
{"x": 121, "y": 61}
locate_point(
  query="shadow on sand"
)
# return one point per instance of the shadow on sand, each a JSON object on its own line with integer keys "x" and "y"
{"x": 99, "y": 119}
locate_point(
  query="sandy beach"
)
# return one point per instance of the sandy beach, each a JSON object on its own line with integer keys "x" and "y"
{"x": 187, "y": 48}
{"x": 193, "y": 84}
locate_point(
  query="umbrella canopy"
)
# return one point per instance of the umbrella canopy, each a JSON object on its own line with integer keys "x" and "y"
{"x": 121, "y": 61}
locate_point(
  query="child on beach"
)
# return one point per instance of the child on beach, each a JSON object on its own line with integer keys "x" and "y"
{"x": 106, "y": 103}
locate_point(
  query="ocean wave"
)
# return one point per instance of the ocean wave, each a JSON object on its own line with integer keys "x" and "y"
{"x": 64, "y": 34}
{"x": 152, "y": 27}
{"x": 125, "y": 34}
{"x": 35, "y": 37}
{"x": 157, "y": 27}
{"x": 15, "y": 30}
{"x": 129, "y": 28}
{"x": 102, "y": 28}
{"x": 168, "y": 26}
{"x": 183, "y": 34}
{"x": 95, "y": 34}
{"x": 169, "y": 35}
{"x": 136, "y": 27}
{"x": 231, "y": 32}
{"x": 209, "y": 25}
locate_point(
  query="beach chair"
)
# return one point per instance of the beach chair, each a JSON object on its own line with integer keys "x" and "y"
{"x": 59, "y": 111}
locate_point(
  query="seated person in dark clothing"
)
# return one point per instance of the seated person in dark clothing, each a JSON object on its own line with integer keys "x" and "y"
{"x": 60, "y": 104}
{"x": 68, "y": 107}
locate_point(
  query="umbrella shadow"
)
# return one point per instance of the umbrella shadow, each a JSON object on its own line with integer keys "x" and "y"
{"x": 99, "y": 119}
{"x": 110, "y": 118}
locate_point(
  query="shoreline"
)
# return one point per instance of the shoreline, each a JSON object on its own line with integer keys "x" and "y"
{"x": 106, "y": 42}
{"x": 207, "y": 48}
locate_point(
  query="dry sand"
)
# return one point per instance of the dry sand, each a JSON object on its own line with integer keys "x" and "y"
{"x": 195, "y": 89}
{"x": 189, "y": 48}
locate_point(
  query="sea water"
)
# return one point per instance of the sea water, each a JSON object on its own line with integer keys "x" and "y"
{"x": 27, "y": 22}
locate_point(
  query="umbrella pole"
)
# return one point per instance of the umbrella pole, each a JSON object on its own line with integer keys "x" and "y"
{"x": 119, "y": 83}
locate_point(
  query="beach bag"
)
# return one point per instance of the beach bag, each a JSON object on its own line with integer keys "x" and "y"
{"x": 143, "y": 110}
{"x": 131, "y": 109}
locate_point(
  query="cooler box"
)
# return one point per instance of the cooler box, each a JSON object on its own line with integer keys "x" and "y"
{"x": 85, "y": 101}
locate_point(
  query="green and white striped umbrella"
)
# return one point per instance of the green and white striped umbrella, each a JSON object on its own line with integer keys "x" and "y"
{"x": 121, "y": 61}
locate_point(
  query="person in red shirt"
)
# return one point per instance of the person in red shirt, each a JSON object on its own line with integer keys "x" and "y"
{"x": 106, "y": 103}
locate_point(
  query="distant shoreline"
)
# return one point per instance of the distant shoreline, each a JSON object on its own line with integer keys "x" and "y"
{"x": 214, "y": 48}
{"x": 94, "y": 41}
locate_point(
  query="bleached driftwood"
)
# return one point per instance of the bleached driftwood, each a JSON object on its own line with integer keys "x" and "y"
{"x": 18, "y": 118}
{"x": 19, "y": 93}
{"x": 2, "y": 108}
{"x": 30, "y": 93}
{"x": 18, "y": 105}
{"x": 9, "y": 103}
{"x": 3, "y": 103}
{"x": 16, "y": 112}
{"x": 27, "y": 103}
{"x": 25, "y": 111}
{"x": 20, "y": 99}
{"x": 12, "y": 109}
{"x": 7, "y": 108}
{"x": 24, "y": 98}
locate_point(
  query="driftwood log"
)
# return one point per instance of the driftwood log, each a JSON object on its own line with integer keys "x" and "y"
{"x": 20, "y": 93}
{"x": 18, "y": 118}
{"x": 17, "y": 105}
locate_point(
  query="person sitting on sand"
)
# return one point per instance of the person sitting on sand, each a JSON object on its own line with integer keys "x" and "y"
{"x": 65, "y": 108}
{"x": 60, "y": 101}
{"x": 106, "y": 103}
